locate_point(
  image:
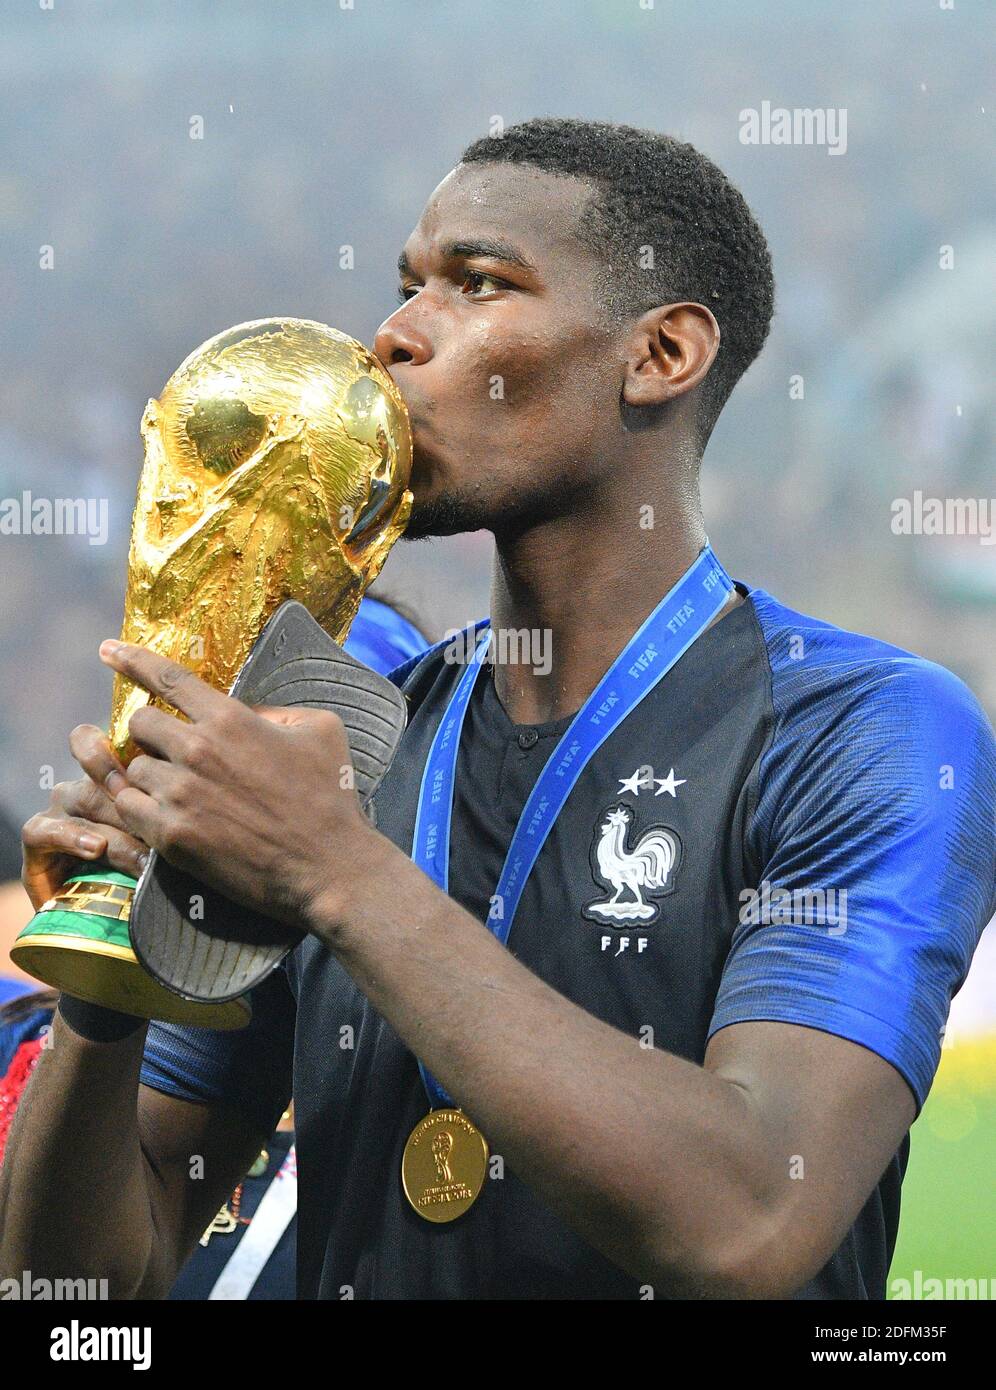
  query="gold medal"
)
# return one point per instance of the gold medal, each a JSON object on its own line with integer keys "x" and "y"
{"x": 444, "y": 1165}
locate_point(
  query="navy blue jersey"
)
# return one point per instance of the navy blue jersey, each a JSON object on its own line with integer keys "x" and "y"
{"x": 827, "y": 802}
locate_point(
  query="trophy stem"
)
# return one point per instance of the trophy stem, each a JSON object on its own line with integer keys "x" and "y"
{"x": 79, "y": 942}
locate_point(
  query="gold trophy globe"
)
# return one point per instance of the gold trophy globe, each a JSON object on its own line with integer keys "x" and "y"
{"x": 277, "y": 462}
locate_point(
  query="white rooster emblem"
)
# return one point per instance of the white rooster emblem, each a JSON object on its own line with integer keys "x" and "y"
{"x": 646, "y": 868}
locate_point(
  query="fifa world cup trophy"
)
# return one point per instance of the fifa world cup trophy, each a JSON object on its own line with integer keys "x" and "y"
{"x": 276, "y": 468}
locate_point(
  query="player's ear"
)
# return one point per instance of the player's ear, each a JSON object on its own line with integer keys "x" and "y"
{"x": 670, "y": 350}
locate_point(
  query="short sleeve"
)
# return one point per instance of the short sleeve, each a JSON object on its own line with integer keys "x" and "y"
{"x": 875, "y": 840}
{"x": 250, "y": 1069}
{"x": 382, "y": 638}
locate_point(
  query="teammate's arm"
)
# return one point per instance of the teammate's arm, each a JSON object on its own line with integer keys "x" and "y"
{"x": 103, "y": 1177}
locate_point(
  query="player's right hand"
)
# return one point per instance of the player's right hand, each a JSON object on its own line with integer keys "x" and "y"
{"x": 79, "y": 823}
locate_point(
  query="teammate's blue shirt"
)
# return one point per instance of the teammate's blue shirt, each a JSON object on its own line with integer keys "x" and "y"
{"x": 382, "y": 638}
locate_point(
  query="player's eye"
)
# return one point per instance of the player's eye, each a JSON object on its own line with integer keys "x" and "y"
{"x": 406, "y": 292}
{"x": 476, "y": 283}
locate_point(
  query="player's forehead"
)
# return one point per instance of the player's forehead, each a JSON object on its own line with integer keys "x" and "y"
{"x": 516, "y": 207}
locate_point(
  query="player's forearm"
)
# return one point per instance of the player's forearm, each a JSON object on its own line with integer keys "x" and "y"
{"x": 657, "y": 1162}
{"x": 74, "y": 1196}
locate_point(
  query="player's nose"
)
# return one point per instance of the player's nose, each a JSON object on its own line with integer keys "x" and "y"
{"x": 398, "y": 339}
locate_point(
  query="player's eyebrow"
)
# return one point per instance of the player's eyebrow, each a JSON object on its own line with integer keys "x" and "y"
{"x": 490, "y": 248}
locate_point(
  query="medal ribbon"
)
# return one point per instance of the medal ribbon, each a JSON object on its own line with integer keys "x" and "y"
{"x": 682, "y": 615}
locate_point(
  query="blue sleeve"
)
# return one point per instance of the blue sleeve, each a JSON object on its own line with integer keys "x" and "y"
{"x": 877, "y": 790}
{"x": 249, "y": 1069}
{"x": 382, "y": 638}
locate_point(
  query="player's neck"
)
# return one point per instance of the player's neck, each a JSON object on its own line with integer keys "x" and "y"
{"x": 580, "y": 586}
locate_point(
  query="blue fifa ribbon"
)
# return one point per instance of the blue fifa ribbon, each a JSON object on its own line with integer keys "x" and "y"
{"x": 682, "y": 615}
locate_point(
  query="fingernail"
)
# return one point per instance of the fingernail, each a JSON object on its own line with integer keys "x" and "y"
{"x": 143, "y": 860}
{"x": 115, "y": 781}
{"x": 109, "y": 646}
{"x": 89, "y": 842}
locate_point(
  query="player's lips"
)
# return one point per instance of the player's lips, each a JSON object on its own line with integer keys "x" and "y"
{"x": 422, "y": 430}
{"x": 421, "y": 458}
{"x": 398, "y": 377}
{"x": 419, "y": 424}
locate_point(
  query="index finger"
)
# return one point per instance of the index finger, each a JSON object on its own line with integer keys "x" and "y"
{"x": 169, "y": 680}
{"x": 92, "y": 749}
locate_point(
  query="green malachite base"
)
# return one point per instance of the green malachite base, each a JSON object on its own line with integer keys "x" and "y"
{"x": 88, "y": 954}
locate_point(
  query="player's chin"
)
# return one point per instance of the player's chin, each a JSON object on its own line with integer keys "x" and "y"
{"x": 444, "y": 513}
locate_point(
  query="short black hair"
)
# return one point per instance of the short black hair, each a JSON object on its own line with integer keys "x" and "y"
{"x": 652, "y": 191}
